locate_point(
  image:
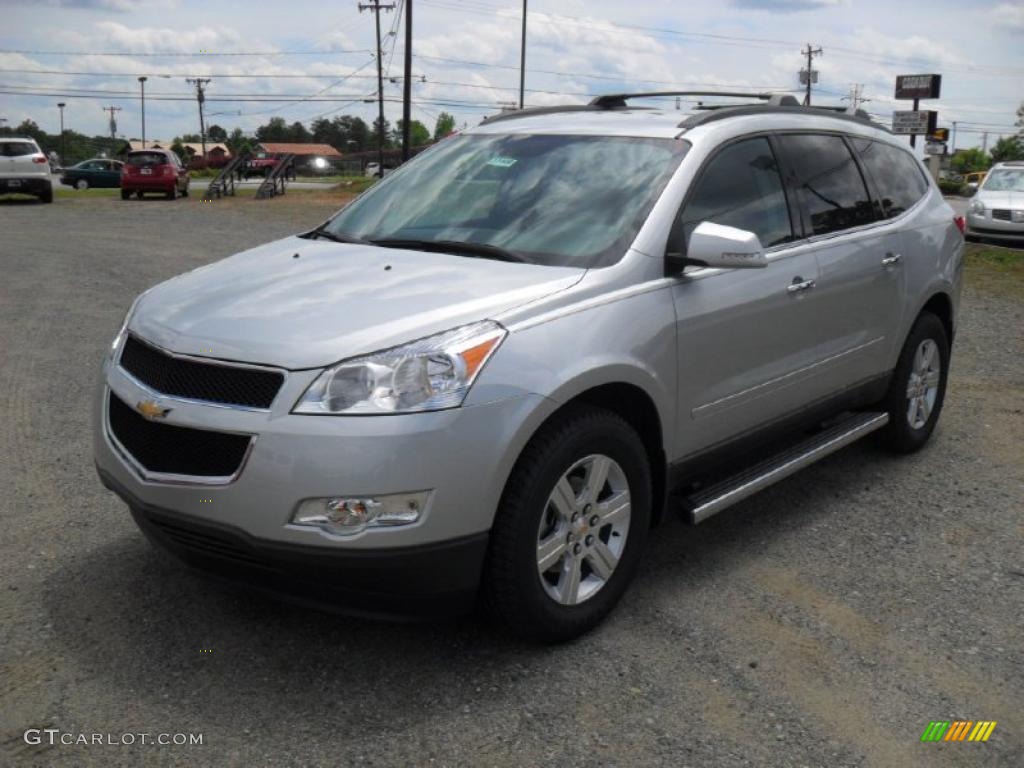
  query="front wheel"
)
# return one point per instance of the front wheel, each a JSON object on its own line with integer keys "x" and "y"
{"x": 570, "y": 527}
{"x": 125, "y": 194}
{"x": 81, "y": 185}
{"x": 172, "y": 193}
{"x": 918, "y": 386}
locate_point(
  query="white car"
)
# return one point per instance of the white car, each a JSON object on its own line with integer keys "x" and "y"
{"x": 996, "y": 211}
{"x": 24, "y": 169}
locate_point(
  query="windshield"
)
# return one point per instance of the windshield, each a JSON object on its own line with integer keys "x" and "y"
{"x": 557, "y": 200}
{"x": 1005, "y": 180}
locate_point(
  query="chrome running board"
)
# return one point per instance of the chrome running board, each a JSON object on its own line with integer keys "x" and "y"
{"x": 705, "y": 502}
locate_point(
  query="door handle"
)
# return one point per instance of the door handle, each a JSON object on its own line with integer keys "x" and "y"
{"x": 799, "y": 284}
{"x": 891, "y": 259}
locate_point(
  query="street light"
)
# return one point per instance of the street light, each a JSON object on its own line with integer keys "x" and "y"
{"x": 63, "y": 158}
{"x": 142, "y": 88}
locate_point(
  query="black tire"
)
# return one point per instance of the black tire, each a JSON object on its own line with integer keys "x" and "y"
{"x": 512, "y": 590}
{"x": 82, "y": 185}
{"x": 899, "y": 435}
{"x": 184, "y": 192}
{"x": 172, "y": 194}
{"x": 125, "y": 194}
{"x": 47, "y": 196}
{"x": 139, "y": 195}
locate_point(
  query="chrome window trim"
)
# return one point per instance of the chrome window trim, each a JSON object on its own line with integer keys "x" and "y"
{"x": 170, "y": 478}
{"x": 202, "y": 360}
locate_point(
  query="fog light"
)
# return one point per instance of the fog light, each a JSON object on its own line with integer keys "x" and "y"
{"x": 347, "y": 516}
{"x": 1018, "y": 216}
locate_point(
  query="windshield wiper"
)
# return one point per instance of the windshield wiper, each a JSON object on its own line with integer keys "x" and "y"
{"x": 338, "y": 237}
{"x": 482, "y": 250}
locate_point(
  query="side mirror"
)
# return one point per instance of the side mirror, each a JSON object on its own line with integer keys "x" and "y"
{"x": 715, "y": 245}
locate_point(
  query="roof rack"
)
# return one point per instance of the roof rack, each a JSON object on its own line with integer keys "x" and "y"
{"x": 787, "y": 105}
{"x": 618, "y": 101}
{"x": 782, "y": 103}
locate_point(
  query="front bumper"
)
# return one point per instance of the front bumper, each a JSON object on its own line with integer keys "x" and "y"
{"x": 462, "y": 456}
{"x": 407, "y": 582}
{"x": 982, "y": 225}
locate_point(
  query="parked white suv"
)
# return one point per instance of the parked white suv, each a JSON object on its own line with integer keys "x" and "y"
{"x": 24, "y": 168}
{"x": 489, "y": 375}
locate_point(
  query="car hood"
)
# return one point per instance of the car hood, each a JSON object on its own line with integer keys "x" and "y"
{"x": 300, "y": 303}
{"x": 999, "y": 199}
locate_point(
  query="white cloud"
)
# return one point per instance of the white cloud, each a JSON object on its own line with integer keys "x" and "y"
{"x": 1008, "y": 16}
{"x": 787, "y": 6}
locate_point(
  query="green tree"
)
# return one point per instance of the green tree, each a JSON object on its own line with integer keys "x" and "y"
{"x": 379, "y": 128}
{"x": 216, "y": 133}
{"x": 276, "y": 129}
{"x": 418, "y": 134}
{"x": 1020, "y": 118}
{"x": 1008, "y": 148}
{"x": 298, "y": 132}
{"x": 969, "y": 160}
{"x": 445, "y": 124}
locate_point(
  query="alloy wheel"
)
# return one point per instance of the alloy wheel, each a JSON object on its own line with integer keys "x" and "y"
{"x": 583, "y": 530}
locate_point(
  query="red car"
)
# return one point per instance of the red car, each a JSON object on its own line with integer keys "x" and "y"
{"x": 153, "y": 170}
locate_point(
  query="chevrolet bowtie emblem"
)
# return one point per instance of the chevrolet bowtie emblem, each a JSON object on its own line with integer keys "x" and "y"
{"x": 151, "y": 409}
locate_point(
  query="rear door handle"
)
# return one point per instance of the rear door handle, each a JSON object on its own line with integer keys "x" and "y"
{"x": 891, "y": 259}
{"x": 799, "y": 284}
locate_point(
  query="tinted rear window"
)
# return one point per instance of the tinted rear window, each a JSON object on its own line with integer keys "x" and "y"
{"x": 899, "y": 179}
{"x": 146, "y": 158}
{"x": 17, "y": 148}
{"x": 831, "y": 188}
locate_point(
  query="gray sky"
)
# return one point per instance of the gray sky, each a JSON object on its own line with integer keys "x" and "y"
{"x": 320, "y": 55}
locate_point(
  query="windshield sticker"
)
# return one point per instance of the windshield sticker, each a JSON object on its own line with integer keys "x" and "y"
{"x": 502, "y": 162}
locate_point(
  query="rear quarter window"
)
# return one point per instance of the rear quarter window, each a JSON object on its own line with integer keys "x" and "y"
{"x": 832, "y": 192}
{"x": 898, "y": 178}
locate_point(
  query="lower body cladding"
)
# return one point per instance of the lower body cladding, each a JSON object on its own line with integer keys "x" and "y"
{"x": 242, "y": 526}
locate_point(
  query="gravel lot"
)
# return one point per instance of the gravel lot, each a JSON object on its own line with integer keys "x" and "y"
{"x": 822, "y": 623}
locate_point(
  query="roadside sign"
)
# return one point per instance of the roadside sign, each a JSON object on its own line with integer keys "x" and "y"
{"x": 939, "y": 134}
{"x": 918, "y": 86}
{"x": 935, "y": 148}
{"x": 914, "y": 123}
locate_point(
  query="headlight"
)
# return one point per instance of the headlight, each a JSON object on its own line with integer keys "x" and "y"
{"x": 425, "y": 375}
{"x": 977, "y": 206}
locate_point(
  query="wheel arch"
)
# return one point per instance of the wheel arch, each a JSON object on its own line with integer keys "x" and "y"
{"x": 940, "y": 304}
{"x": 628, "y": 399}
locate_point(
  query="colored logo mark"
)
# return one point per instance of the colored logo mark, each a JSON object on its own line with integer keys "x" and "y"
{"x": 958, "y": 730}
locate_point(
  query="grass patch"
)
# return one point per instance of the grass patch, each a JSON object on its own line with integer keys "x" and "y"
{"x": 71, "y": 193}
{"x": 995, "y": 269}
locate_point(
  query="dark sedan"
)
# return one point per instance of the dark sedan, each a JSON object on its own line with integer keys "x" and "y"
{"x": 98, "y": 172}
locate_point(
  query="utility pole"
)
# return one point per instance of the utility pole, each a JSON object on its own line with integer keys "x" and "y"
{"x": 952, "y": 149}
{"x": 113, "y": 124}
{"x": 984, "y": 142}
{"x": 522, "y": 60}
{"x": 376, "y": 7}
{"x": 407, "y": 85}
{"x": 810, "y": 53}
{"x": 199, "y": 82}
{"x": 60, "y": 106}
{"x": 855, "y": 97}
{"x": 142, "y": 87}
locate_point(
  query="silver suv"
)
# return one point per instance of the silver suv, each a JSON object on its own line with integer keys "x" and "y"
{"x": 996, "y": 211}
{"x": 24, "y": 169}
{"x": 488, "y": 376}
